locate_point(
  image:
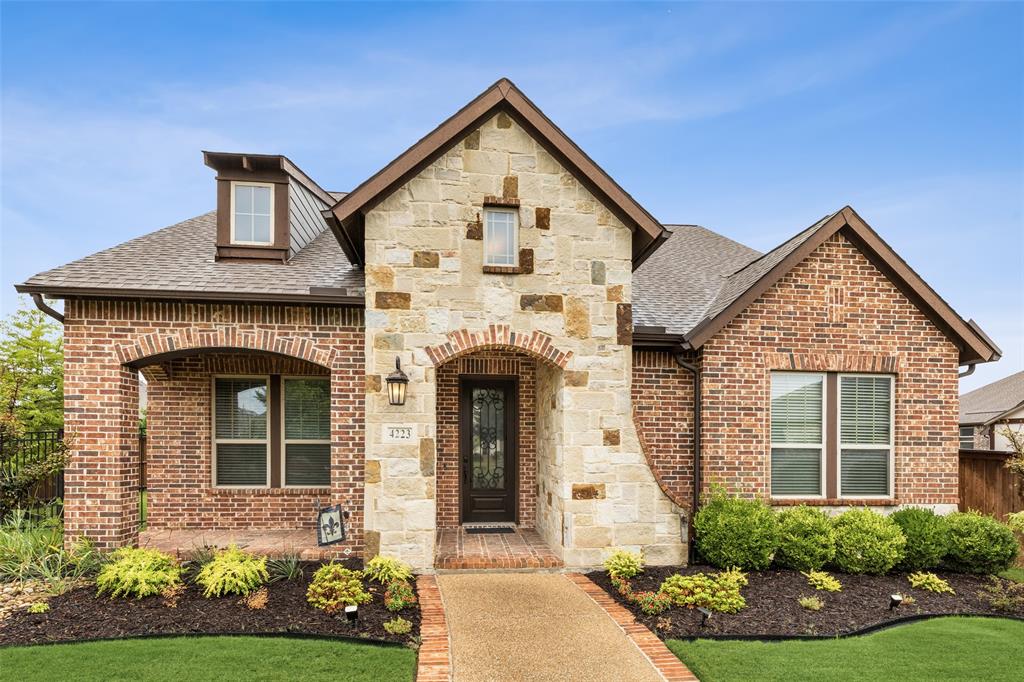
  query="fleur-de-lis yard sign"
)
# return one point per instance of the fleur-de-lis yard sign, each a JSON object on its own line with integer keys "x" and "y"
{"x": 330, "y": 525}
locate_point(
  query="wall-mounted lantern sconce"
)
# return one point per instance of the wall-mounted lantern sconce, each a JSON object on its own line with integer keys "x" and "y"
{"x": 397, "y": 381}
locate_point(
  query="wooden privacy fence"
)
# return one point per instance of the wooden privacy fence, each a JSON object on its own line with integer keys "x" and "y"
{"x": 987, "y": 485}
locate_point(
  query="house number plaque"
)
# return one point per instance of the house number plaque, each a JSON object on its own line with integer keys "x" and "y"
{"x": 399, "y": 433}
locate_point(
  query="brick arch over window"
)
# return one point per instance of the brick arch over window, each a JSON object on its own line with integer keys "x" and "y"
{"x": 158, "y": 346}
{"x": 498, "y": 337}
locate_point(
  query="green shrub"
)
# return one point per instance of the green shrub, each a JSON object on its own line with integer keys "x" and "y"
{"x": 719, "y": 592}
{"x": 820, "y": 580}
{"x": 806, "y": 539}
{"x": 979, "y": 544}
{"x": 334, "y": 587}
{"x": 136, "y": 572}
{"x": 930, "y": 582}
{"x": 811, "y": 603}
{"x": 624, "y": 564}
{"x": 927, "y": 536}
{"x": 397, "y": 626}
{"x": 287, "y": 567}
{"x": 1003, "y": 595}
{"x": 1016, "y": 522}
{"x": 38, "y": 607}
{"x": 399, "y": 595}
{"x": 386, "y": 570}
{"x": 736, "y": 532}
{"x": 232, "y": 571}
{"x": 867, "y": 542}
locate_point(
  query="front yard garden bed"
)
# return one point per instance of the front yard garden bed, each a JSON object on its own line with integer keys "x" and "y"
{"x": 773, "y": 611}
{"x": 80, "y": 614}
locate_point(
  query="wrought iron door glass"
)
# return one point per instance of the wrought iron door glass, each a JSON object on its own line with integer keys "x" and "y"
{"x": 488, "y": 453}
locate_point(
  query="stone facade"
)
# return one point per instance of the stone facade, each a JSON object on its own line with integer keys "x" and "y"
{"x": 833, "y": 312}
{"x": 179, "y": 345}
{"x": 577, "y": 307}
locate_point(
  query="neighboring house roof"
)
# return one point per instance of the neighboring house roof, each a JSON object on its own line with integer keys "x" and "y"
{"x": 991, "y": 402}
{"x": 675, "y": 286}
{"x": 179, "y": 261}
{"x": 346, "y": 217}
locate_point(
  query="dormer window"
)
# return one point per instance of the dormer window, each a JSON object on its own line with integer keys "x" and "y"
{"x": 501, "y": 237}
{"x": 252, "y": 213}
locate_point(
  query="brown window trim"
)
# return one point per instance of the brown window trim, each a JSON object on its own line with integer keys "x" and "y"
{"x": 503, "y": 202}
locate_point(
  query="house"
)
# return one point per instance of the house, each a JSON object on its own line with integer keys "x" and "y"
{"x": 559, "y": 345}
{"x": 986, "y": 413}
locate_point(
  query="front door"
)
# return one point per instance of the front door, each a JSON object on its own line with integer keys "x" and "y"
{"x": 488, "y": 447}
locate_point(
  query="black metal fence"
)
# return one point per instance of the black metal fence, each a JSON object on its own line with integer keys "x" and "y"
{"x": 16, "y": 453}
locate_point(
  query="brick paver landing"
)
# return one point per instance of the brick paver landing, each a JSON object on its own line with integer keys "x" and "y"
{"x": 457, "y": 549}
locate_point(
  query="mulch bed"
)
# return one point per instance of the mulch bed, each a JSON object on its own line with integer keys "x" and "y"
{"x": 772, "y": 609}
{"x": 79, "y": 614}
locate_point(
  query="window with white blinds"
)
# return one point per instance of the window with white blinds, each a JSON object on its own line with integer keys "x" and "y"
{"x": 797, "y": 439}
{"x": 240, "y": 423}
{"x": 501, "y": 237}
{"x": 865, "y": 435}
{"x": 307, "y": 432}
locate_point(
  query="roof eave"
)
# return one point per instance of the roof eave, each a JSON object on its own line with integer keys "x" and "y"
{"x": 187, "y": 295}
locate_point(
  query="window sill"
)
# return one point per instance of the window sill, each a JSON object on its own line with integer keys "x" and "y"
{"x": 503, "y": 270}
{"x": 834, "y": 501}
{"x": 267, "y": 492}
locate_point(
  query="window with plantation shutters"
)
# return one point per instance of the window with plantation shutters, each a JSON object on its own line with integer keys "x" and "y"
{"x": 240, "y": 423}
{"x": 797, "y": 438}
{"x": 307, "y": 432}
{"x": 865, "y": 435}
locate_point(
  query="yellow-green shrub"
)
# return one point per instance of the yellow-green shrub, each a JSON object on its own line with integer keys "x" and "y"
{"x": 718, "y": 592}
{"x": 930, "y": 582}
{"x": 386, "y": 570}
{"x": 397, "y": 626}
{"x": 398, "y": 596}
{"x": 624, "y": 564}
{"x": 136, "y": 572}
{"x": 867, "y": 542}
{"x": 232, "y": 571}
{"x": 334, "y": 587}
{"x": 806, "y": 539}
{"x": 820, "y": 580}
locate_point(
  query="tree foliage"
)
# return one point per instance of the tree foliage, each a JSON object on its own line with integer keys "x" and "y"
{"x": 31, "y": 374}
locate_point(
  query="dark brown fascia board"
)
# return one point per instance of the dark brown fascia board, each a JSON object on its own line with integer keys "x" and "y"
{"x": 345, "y": 237}
{"x": 974, "y": 347}
{"x": 204, "y": 296}
{"x": 503, "y": 94}
{"x": 656, "y": 338}
{"x": 216, "y": 161}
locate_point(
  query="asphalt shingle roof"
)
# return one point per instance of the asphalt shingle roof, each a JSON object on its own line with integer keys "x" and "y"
{"x": 674, "y": 287}
{"x": 181, "y": 258}
{"x": 990, "y": 401}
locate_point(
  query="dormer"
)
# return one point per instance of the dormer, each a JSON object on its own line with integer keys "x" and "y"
{"x": 267, "y": 208}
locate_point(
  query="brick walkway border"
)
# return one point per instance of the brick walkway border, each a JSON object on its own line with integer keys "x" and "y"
{"x": 667, "y": 663}
{"x": 434, "y": 662}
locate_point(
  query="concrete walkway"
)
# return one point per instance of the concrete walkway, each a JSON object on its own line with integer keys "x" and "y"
{"x": 534, "y": 626}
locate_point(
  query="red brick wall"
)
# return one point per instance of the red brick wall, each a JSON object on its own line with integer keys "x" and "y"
{"x": 500, "y": 362}
{"x": 663, "y": 414}
{"x": 180, "y": 452}
{"x": 837, "y": 312}
{"x": 101, "y": 406}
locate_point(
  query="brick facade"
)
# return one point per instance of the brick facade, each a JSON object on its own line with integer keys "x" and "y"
{"x": 501, "y": 363}
{"x": 835, "y": 311}
{"x": 180, "y": 345}
{"x": 662, "y": 394}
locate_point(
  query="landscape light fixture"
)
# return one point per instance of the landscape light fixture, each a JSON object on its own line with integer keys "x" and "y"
{"x": 894, "y": 601}
{"x": 397, "y": 381}
{"x": 352, "y": 613}
{"x": 704, "y": 615}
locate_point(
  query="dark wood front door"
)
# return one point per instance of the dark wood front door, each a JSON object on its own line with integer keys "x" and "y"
{"x": 488, "y": 449}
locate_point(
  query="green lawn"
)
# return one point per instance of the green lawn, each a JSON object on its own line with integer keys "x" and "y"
{"x": 1015, "y": 574}
{"x": 941, "y": 649}
{"x": 209, "y": 658}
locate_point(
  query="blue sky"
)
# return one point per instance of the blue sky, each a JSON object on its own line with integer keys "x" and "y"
{"x": 751, "y": 119}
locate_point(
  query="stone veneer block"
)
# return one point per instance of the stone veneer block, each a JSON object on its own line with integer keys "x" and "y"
{"x": 425, "y": 259}
{"x": 396, "y": 300}
{"x": 612, "y": 437}
{"x": 510, "y": 187}
{"x": 541, "y": 303}
{"x": 624, "y": 324}
{"x": 588, "y": 491}
{"x": 542, "y": 217}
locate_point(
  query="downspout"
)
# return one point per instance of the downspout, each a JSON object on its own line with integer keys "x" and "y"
{"x": 695, "y": 371}
{"x": 41, "y": 304}
{"x": 967, "y": 372}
